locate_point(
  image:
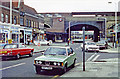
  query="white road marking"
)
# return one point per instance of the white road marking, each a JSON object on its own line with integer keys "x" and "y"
{"x": 55, "y": 77}
{"x": 76, "y": 48}
{"x": 95, "y": 57}
{"x": 12, "y": 66}
{"x": 102, "y": 62}
{"x": 91, "y": 57}
{"x": 77, "y": 64}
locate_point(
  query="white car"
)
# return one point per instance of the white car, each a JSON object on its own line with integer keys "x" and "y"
{"x": 90, "y": 46}
{"x": 101, "y": 44}
{"x": 42, "y": 42}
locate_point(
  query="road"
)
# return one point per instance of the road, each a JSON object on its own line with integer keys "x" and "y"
{"x": 23, "y": 67}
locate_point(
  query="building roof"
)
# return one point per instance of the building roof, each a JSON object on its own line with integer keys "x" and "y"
{"x": 29, "y": 10}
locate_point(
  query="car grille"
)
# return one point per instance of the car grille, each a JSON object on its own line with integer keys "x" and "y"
{"x": 47, "y": 63}
{"x": 92, "y": 48}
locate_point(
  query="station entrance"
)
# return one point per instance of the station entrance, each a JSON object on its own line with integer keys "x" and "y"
{"x": 76, "y": 33}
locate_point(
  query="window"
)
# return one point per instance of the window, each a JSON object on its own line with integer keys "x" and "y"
{"x": 68, "y": 51}
{"x": 32, "y": 23}
{"x": 55, "y": 51}
{"x": 21, "y": 21}
{"x": 2, "y": 17}
{"x": 71, "y": 50}
{"x": 6, "y": 18}
{"x": 15, "y": 20}
{"x": 10, "y": 46}
{"x": 27, "y": 22}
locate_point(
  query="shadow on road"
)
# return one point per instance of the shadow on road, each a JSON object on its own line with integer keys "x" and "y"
{"x": 54, "y": 72}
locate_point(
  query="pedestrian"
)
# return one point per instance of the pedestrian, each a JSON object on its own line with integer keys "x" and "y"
{"x": 68, "y": 41}
{"x": 28, "y": 41}
{"x": 106, "y": 45}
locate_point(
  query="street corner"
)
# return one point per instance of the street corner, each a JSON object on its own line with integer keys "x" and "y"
{"x": 94, "y": 69}
{"x": 111, "y": 50}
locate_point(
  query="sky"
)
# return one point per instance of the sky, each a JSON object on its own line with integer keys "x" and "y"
{"x": 73, "y": 5}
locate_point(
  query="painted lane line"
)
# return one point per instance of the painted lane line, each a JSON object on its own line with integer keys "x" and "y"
{"x": 77, "y": 64}
{"x": 95, "y": 57}
{"x": 12, "y": 66}
{"x": 91, "y": 57}
{"x": 55, "y": 76}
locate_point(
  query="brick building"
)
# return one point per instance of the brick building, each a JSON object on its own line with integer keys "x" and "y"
{"x": 26, "y": 24}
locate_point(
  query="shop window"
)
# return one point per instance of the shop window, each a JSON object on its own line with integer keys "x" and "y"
{"x": 2, "y": 17}
{"x": 14, "y": 38}
{"x": 6, "y": 18}
{"x": 34, "y": 24}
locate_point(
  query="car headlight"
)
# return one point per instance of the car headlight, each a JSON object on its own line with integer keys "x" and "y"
{"x": 55, "y": 63}
{"x": 38, "y": 62}
{"x": 58, "y": 64}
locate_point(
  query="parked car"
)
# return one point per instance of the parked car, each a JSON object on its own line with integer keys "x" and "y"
{"x": 101, "y": 44}
{"x": 90, "y": 46}
{"x": 59, "y": 58}
{"x": 15, "y": 50}
{"x": 43, "y": 42}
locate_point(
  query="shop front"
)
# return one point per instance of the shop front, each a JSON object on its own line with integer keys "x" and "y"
{"x": 56, "y": 37}
{"x": 38, "y": 34}
{"x": 14, "y": 31}
{"x": 26, "y": 35}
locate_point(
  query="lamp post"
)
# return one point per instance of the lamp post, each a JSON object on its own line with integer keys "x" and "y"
{"x": 9, "y": 32}
{"x": 69, "y": 35}
{"x": 83, "y": 48}
{"x": 116, "y": 8}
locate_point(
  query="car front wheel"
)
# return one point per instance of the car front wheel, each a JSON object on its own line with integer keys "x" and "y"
{"x": 73, "y": 65}
{"x": 64, "y": 70}
{"x": 31, "y": 54}
{"x": 17, "y": 56}
{"x": 38, "y": 69}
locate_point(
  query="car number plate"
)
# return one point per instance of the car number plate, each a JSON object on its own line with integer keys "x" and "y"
{"x": 48, "y": 68}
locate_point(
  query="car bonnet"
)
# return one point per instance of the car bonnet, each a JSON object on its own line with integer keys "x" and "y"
{"x": 57, "y": 58}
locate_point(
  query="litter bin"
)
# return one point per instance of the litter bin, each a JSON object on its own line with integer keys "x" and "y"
{"x": 10, "y": 41}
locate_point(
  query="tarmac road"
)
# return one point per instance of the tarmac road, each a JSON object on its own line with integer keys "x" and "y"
{"x": 24, "y": 67}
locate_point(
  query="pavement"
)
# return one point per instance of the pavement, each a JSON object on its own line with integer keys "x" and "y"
{"x": 95, "y": 69}
{"x": 110, "y": 50}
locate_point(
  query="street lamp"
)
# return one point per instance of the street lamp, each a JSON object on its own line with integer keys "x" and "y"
{"x": 116, "y": 8}
{"x": 9, "y": 32}
{"x": 69, "y": 35}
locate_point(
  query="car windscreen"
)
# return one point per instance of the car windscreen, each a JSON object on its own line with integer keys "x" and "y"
{"x": 10, "y": 46}
{"x": 55, "y": 51}
{"x": 91, "y": 43}
{"x": 101, "y": 42}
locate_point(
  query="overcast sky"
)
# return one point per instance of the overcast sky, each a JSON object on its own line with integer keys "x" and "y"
{"x": 72, "y": 5}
